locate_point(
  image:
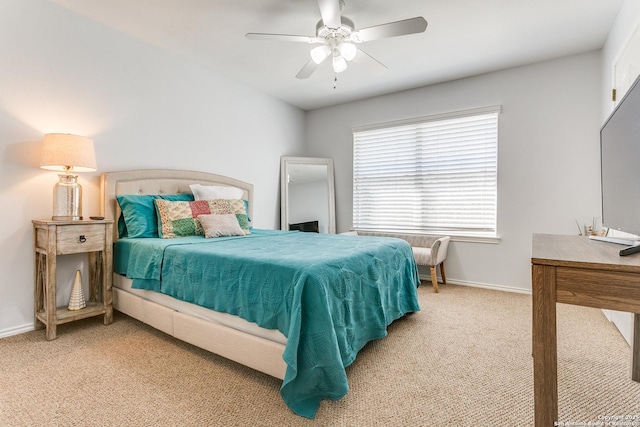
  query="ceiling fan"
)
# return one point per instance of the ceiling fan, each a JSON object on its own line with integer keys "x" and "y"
{"x": 337, "y": 37}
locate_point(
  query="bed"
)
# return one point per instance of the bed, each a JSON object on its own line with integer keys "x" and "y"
{"x": 296, "y": 306}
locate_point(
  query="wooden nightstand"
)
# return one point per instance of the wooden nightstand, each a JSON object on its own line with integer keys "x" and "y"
{"x": 53, "y": 238}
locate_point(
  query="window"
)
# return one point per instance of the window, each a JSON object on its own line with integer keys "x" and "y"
{"x": 432, "y": 175}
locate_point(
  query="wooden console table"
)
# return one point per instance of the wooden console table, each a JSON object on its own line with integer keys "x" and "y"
{"x": 576, "y": 270}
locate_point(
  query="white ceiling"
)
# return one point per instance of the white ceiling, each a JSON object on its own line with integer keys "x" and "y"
{"x": 463, "y": 38}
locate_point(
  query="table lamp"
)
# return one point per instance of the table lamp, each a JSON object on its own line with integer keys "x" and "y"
{"x": 67, "y": 153}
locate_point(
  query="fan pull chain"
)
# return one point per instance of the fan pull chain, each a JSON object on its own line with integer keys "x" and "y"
{"x": 335, "y": 81}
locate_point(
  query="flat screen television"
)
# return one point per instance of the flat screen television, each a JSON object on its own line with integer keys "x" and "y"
{"x": 620, "y": 169}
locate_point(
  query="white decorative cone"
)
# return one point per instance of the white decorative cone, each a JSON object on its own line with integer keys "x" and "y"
{"x": 77, "y": 302}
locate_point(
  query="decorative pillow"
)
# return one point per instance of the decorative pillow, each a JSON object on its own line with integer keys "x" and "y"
{"x": 179, "y": 219}
{"x": 213, "y": 192}
{"x": 139, "y": 217}
{"x": 220, "y": 225}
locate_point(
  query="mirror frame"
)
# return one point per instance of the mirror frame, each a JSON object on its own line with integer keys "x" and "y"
{"x": 284, "y": 189}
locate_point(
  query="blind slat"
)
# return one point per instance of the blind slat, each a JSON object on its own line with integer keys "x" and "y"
{"x": 430, "y": 176}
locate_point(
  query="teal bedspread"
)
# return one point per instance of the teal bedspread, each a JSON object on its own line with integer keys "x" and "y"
{"x": 328, "y": 294}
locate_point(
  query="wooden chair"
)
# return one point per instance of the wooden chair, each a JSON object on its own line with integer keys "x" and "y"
{"x": 432, "y": 257}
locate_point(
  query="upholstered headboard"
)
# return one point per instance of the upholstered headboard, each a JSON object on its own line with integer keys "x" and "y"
{"x": 158, "y": 181}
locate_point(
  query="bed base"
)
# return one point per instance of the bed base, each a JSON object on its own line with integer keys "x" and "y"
{"x": 255, "y": 352}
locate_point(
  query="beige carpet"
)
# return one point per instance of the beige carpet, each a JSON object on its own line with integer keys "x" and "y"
{"x": 464, "y": 360}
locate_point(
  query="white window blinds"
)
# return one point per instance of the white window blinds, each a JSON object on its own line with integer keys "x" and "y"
{"x": 435, "y": 175}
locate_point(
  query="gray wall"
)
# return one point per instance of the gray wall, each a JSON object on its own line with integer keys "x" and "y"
{"x": 143, "y": 107}
{"x": 548, "y": 155}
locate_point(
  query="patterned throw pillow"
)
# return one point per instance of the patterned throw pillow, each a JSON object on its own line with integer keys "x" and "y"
{"x": 179, "y": 219}
{"x": 212, "y": 192}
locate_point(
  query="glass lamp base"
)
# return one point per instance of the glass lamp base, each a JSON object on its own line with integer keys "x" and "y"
{"x": 66, "y": 218}
{"x": 67, "y": 199}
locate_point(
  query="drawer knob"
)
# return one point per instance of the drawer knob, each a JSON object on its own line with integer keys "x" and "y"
{"x": 82, "y": 239}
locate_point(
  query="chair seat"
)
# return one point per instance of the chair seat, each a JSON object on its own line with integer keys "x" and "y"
{"x": 422, "y": 255}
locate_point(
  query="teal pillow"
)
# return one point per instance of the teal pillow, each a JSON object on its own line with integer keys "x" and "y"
{"x": 246, "y": 208}
{"x": 139, "y": 218}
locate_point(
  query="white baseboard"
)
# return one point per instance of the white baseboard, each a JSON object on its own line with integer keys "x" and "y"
{"x": 29, "y": 326}
{"x": 427, "y": 279}
{"x": 16, "y": 330}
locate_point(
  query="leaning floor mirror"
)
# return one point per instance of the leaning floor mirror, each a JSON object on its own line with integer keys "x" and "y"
{"x": 307, "y": 194}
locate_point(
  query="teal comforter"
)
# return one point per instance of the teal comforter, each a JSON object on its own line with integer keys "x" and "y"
{"x": 328, "y": 294}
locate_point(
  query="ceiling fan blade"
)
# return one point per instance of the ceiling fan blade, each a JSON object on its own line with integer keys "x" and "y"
{"x": 282, "y": 38}
{"x": 373, "y": 65}
{"x": 392, "y": 29}
{"x": 330, "y": 12}
{"x": 307, "y": 70}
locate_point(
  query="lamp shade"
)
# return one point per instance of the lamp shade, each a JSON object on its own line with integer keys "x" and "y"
{"x": 339, "y": 64}
{"x": 318, "y": 54}
{"x": 66, "y": 152}
{"x": 348, "y": 51}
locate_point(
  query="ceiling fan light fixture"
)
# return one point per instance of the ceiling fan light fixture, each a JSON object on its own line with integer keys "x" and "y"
{"x": 339, "y": 64}
{"x": 318, "y": 54}
{"x": 348, "y": 51}
{"x": 337, "y": 37}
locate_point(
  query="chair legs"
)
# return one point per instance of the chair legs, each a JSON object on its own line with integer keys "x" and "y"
{"x": 434, "y": 277}
{"x": 444, "y": 276}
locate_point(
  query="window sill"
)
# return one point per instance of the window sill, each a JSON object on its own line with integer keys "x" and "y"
{"x": 494, "y": 240}
{"x": 476, "y": 239}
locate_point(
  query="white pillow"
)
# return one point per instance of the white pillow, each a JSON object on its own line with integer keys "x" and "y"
{"x": 220, "y": 225}
{"x": 212, "y": 192}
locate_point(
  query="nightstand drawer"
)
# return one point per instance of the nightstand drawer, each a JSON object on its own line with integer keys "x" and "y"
{"x": 80, "y": 238}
